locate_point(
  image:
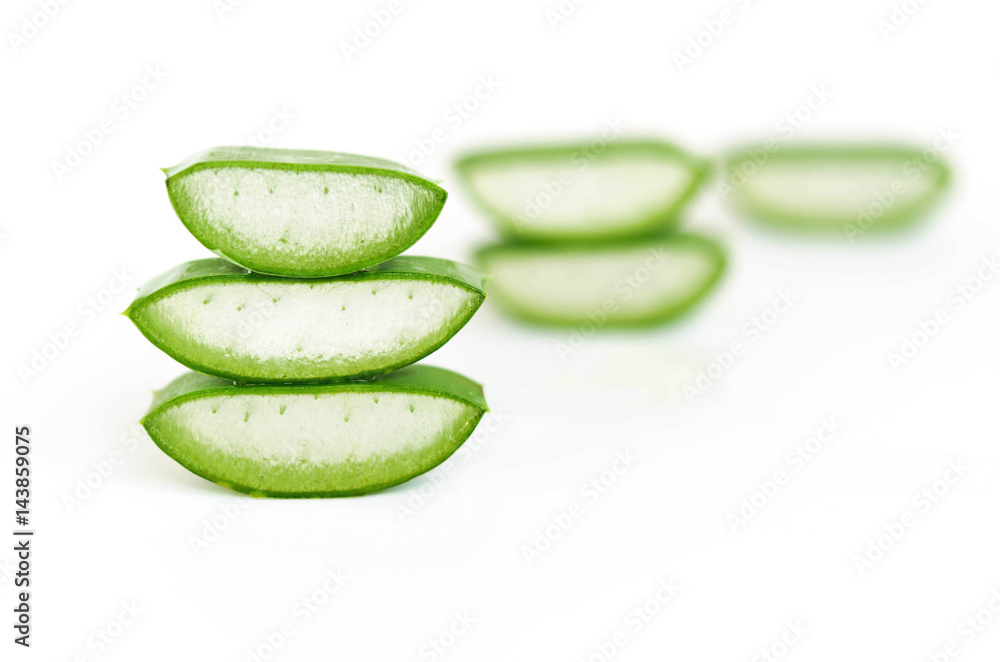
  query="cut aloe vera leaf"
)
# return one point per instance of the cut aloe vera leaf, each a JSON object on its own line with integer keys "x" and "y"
{"x": 218, "y": 318}
{"x": 315, "y": 440}
{"x": 302, "y": 213}
{"x": 625, "y": 283}
{"x": 835, "y": 187}
{"x": 574, "y": 192}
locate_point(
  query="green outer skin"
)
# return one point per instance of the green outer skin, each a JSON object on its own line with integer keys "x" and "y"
{"x": 895, "y": 218}
{"x": 423, "y": 379}
{"x": 665, "y": 219}
{"x": 710, "y": 247}
{"x": 302, "y": 160}
{"x": 217, "y": 270}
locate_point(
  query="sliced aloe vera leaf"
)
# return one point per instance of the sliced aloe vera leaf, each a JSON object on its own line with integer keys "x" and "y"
{"x": 221, "y": 319}
{"x": 302, "y": 213}
{"x": 632, "y": 282}
{"x": 315, "y": 440}
{"x": 574, "y": 192}
{"x": 835, "y": 187}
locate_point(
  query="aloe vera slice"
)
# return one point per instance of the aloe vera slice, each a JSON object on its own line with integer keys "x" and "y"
{"x": 302, "y": 213}
{"x": 835, "y": 187}
{"x": 315, "y": 440}
{"x": 573, "y": 192}
{"x": 625, "y": 283}
{"x": 218, "y": 318}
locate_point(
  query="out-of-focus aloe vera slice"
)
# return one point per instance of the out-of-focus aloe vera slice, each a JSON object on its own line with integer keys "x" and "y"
{"x": 218, "y": 318}
{"x": 315, "y": 440}
{"x": 849, "y": 188}
{"x": 302, "y": 213}
{"x": 574, "y": 192}
{"x": 625, "y": 283}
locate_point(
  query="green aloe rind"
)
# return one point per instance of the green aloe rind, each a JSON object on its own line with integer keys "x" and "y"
{"x": 302, "y": 213}
{"x": 575, "y": 192}
{"x": 852, "y": 188}
{"x": 626, "y": 283}
{"x": 315, "y": 440}
{"x": 220, "y": 319}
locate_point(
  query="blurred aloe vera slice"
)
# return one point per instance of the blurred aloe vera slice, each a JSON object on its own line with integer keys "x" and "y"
{"x": 583, "y": 192}
{"x": 849, "y": 188}
{"x": 315, "y": 440}
{"x": 631, "y": 282}
{"x": 220, "y": 319}
{"x": 302, "y": 213}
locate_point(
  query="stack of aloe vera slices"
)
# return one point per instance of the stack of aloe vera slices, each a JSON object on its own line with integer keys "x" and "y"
{"x": 302, "y": 334}
{"x": 590, "y": 231}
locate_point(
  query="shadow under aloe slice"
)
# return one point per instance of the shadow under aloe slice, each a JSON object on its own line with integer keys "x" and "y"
{"x": 220, "y": 319}
{"x": 627, "y": 283}
{"x": 315, "y": 440}
{"x": 850, "y": 188}
{"x": 580, "y": 192}
{"x": 302, "y": 213}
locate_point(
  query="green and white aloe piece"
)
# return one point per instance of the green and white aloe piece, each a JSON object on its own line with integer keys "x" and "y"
{"x": 583, "y": 192}
{"x": 833, "y": 187}
{"x": 221, "y": 319}
{"x": 633, "y": 282}
{"x": 315, "y": 440}
{"x": 302, "y": 213}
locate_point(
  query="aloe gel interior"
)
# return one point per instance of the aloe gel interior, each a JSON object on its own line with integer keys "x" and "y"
{"x": 626, "y": 283}
{"x": 315, "y": 440}
{"x": 835, "y": 187}
{"x": 220, "y": 319}
{"x": 582, "y": 192}
{"x": 302, "y": 213}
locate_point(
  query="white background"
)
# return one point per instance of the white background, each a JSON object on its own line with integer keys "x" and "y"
{"x": 559, "y": 420}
